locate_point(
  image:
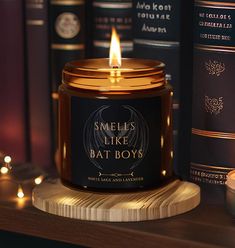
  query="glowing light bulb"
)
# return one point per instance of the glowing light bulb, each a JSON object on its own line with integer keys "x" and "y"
{"x": 7, "y": 159}
{"x": 38, "y": 180}
{"x": 55, "y": 96}
{"x": 20, "y": 193}
{"x": 4, "y": 170}
{"x": 164, "y": 172}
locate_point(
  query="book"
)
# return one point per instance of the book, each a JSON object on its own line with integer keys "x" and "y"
{"x": 39, "y": 89}
{"x": 157, "y": 35}
{"x": 67, "y": 42}
{"x": 67, "y": 35}
{"x": 213, "y": 129}
{"x": 89, "y": 29}
{"x": 108, "y": 14}
{"x": 13, "y": 123}
{"x": 185, "y": 88}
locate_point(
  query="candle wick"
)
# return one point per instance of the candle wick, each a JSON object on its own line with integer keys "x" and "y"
{"x": 115, "y": 67}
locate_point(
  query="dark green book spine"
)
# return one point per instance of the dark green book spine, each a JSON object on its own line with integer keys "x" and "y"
{"x": 106, "y": 14}
{"x": 67, "y": 23}
{"x": 67, "y": 42}
{"x": 157, "y": 34}
{"x": 213, "y": 127}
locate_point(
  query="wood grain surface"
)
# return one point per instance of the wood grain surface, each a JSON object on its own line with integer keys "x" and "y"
{"x": 175, "y": 198}
{"x": 209, "y": 225}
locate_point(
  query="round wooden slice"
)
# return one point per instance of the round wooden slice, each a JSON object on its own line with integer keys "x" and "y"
{"x": 175, "y": 198}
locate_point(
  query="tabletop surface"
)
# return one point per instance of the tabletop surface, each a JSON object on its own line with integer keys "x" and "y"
{"x": 209, "y": 225}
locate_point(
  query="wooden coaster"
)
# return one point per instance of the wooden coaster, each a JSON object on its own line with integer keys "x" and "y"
{"x": 175, "y": 198}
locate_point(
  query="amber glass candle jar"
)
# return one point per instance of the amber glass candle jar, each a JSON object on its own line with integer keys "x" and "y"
{"x": 115, "y": 125}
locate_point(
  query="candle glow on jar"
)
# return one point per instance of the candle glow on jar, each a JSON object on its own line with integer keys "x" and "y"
{"x": 115, "y": 123}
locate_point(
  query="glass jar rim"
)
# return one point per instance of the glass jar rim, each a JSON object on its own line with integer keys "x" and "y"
{"x": 100, "y": 67}
{"x": 95, "y": 74}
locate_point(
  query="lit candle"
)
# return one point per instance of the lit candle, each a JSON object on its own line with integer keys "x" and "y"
{"x": 115, "y": 123}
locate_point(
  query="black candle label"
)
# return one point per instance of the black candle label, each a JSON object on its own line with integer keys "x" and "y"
{"x": 115, "y": 143}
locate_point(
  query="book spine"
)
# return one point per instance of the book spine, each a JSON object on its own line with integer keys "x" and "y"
{"x": 12, "y": 87}
{"x": 108, "y": 14}
{"x": 67, "y": 23}
{"x": 36, "y": 15}
{"x": 185, "y": 89}
{"x": 157, "y": 27}
{"x": 89, "y": 29}
{"x": 67, "y": 43}
{"x": 213, "y": 129}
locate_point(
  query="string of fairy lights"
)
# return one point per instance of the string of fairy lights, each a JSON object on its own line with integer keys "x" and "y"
{"x": 6, "y": 168}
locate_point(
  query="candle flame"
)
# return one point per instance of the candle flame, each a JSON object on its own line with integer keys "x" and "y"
{"x": 115, "y": 50}
{"x": 20, "y": 193}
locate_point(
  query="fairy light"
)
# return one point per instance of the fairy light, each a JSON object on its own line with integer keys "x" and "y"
{"x": 38, "y": 180}
{"x": 20, "y": 192}
{"x": 164, "y": 172}
{"x": 7, "y": 159}
{"x": 4, "y": 170}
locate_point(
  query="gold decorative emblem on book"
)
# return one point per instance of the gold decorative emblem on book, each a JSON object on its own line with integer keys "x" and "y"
{"x": 215, "y": 67}
{"x": 67, "y": 25}
{"x": 214, "y": 105}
